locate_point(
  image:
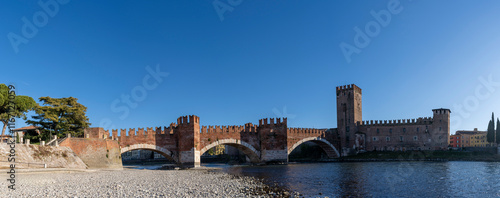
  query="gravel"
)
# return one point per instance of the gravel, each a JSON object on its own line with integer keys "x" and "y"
{"x": 140, "y": 183}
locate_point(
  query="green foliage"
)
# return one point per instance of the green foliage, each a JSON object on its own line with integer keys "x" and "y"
{"x": 211, "y": 151}
{"x": 498, "y": 131}
{"x": 33, "y": 136}
{"x": 490, "y": 136}
{"x": 60, "y": 116}
{"x": 23, "y": 104}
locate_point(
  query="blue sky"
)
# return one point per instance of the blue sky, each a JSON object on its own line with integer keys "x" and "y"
{"x": 260, "y": 59}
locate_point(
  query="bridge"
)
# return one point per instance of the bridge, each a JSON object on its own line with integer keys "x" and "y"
{"x": 271, "y": 141}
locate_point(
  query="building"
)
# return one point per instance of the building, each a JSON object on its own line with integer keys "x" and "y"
{"x": 21, "y": 132}
{"x": 455, "y": 141}
{"x": 5, "y": 138}
{"x": 474, "y": 138}
{"x": 424, "y": 133}
{"x": 479, "y": 140}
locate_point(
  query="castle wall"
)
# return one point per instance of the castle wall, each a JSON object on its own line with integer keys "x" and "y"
{"x": 409, "y": 134}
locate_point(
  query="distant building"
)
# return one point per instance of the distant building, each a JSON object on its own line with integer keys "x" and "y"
{"x": 4, "y": 138}
{"x": 474, "y": 138}
{"x": 455, "y": 141}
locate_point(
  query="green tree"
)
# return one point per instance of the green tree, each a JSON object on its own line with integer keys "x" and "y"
{"x": 60, "y": 116}
{"x": 498, "y": 131}
{"x": 490, "y": 136}
{"x": 23, "y": 104}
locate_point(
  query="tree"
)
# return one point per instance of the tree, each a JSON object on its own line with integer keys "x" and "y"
{"x": 490, "y": 136}
{"x": 498, "y": 131}
{"x": 23, "y": 104}
{"x": 60, "y": 116}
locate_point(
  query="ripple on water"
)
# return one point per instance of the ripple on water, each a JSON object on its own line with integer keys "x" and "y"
{"x": 381, "y": 179}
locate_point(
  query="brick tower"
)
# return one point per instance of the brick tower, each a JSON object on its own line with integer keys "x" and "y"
{"x": 188, "y": 139}
{"x": 349, "y": 112}
{"x": 440, "y": 129}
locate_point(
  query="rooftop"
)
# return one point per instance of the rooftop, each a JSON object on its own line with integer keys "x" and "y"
{"x": 25, "y": 128}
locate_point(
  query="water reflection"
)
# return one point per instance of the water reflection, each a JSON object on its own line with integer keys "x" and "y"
{"x": 351, "y": 181}
{"x": 382, "y": 179}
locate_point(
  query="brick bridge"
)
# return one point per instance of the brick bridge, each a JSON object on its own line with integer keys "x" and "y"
{"x": 185, "y": 141}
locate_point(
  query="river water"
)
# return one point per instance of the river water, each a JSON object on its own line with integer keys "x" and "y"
{"x": 380, "y": 179}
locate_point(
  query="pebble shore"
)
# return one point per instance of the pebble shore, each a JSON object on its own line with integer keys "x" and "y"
{"x": 140, "y": 183}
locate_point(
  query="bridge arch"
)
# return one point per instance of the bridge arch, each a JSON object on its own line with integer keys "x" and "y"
{"x": 162, "y": 151}
{"x": 246, "y": 148}
{"x": 329, "y": 149}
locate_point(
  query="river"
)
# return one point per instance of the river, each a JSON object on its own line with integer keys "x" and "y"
{"x": 380, "y": 179}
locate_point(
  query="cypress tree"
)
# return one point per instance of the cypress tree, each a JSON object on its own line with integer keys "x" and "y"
{"x": 498, "y": 131}
{"x": 490, "y": 136}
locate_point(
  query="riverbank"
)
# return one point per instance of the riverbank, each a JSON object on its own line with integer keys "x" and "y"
{"x": 385, "y": 156}
{"x": 139, "y": 183}
{"x": 427, "y": 156}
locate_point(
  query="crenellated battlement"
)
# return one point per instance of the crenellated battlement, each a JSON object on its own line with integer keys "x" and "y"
{"x": 348, "y": 87}
{"x": 306, "y": 130}
{"x": 148, "y": 132}
{"x": 191, "y": 119}
{"x": 222, "y": 129}
{"x": 421, "y": 120}
{"x": 272, "y": 122}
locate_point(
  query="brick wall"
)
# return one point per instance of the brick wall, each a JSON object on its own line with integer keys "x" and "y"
{"x": 96, "y": 153}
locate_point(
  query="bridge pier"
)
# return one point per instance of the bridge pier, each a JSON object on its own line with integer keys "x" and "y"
{"x": 190, "y": 159}
{"x": 274, "y": 156}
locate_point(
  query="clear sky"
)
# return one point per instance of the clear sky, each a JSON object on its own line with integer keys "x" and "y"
{"x": 246, "y": 60}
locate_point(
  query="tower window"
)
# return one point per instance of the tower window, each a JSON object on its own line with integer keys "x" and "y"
{"x": 378, "y": 131}
{"x": 390, "y": 131}
{"x": 400, "y": 138}
{"x": 404, "y": 129}
{"x": 418, "y": 129}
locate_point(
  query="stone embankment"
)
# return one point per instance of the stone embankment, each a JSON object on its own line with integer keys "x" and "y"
{"x": 35, "y": 156}
{"x": 140, "y": 183}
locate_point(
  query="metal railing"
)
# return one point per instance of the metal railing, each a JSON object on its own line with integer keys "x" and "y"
{"x": 44, "y": 165}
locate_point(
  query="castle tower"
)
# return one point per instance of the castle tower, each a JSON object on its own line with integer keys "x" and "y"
{"x": 188, "y": 138}
{"x": 349, "y": 112}
{"x": 440, "y": 129}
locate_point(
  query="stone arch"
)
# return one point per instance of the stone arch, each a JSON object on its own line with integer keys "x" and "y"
{"x": 162, "y": 151}
{"x": 246, "y": 148}
{"x": 329, "y": 149}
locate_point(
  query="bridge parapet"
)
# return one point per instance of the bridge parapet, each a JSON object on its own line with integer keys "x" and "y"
{"x": 306, "y": 130}
{"x": 222, "y": 129}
